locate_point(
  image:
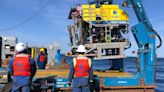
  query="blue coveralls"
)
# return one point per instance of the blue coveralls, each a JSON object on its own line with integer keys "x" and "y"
{"x": 80, "y": 84}
{"x": 41, "y": 65}
{"x": 22, "y": 83}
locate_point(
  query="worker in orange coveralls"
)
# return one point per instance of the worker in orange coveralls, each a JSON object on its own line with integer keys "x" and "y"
{"x": 23, "y": 69}
{"x": 80, "y": 72}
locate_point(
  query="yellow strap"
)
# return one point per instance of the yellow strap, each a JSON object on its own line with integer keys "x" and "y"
{"x": 74, "y": 62}
{"x": 89, "y": 62}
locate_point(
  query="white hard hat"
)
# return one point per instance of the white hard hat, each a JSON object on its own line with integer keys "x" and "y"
{"x": 81, "y": 48}
{"x": 21, "y": 47}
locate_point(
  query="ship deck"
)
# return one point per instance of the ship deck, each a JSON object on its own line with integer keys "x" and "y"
{"x": 65, "y": 73}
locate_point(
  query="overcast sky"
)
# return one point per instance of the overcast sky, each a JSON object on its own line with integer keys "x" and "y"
{"x": 49, "y": 25}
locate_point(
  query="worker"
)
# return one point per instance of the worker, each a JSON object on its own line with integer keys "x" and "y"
{"x": 78, "y": 10}
{"x": 23, "y": 68}
{"x": 80, "y": 72}
{"x": 42, "y": 59}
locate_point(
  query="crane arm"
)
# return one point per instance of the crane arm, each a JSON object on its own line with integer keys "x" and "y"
{"x": 142, "y": 16}
{"x": 145, "y": 37}
{"x": 139, "y": 10}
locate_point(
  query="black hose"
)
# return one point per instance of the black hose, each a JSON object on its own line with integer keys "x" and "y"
{"x": 160, "y": 40}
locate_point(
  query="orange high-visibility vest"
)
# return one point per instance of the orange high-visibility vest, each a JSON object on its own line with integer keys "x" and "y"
{"x": 81, "y": 69}
{"x": 21, "y": 65}
{"x": 42, "y": 58}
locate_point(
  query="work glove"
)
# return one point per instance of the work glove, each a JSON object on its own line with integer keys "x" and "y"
{"x": 90, "y": 82}
{"x": 69, "y": 83}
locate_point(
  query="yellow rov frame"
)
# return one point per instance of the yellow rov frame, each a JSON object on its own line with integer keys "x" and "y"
{"x": 107, "y": 17}
{"x": 111, "y": 13}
